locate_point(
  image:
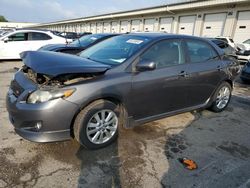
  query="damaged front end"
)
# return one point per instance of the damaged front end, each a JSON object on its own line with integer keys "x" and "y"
{"x": 51, "y": 73}
{"x": 57, "y": 69}
{"x": 60, "y": 80}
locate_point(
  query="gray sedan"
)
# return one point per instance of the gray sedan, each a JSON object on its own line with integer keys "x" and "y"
{"x": 121, "y": 82}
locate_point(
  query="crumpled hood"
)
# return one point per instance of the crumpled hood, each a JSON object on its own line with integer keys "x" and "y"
{"x": 54, "y": 64}
{"x": 54, "y": 47}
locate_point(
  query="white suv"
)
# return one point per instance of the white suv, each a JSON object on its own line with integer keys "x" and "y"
{"x": 12, "y": 44}
{"x": 228, "y": 40}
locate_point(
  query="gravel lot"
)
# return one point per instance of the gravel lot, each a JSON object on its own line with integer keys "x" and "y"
{"x": 146, "y": 156}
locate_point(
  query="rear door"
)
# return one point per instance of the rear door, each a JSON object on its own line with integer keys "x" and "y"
{"x": 37, "y": 40}
{"x": 205, "y": 71}
{"x": 163, "y": 89}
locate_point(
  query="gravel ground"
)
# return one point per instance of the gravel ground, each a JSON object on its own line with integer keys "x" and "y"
{"x": 145, "y": 156}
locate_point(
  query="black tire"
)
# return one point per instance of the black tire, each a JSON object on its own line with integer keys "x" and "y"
{"x": 214, "y": 106}
{"x": 82, "y": 119}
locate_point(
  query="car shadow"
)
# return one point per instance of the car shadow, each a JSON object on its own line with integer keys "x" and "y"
{"x": 99, "y": 168}
{"x": 218, "y": 143}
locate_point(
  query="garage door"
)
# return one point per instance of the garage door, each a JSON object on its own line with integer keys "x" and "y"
{"x": 214, "y": 25}
{"x": 106, "y": 27}
{"x": 166, "y": 24}
{"x": 93, "y": 28}
{"x": 135, "y": 25}
{"x": 99, "y": 28}
{"x": 124, "y": 26}
{"x": 87, "y": 27}
{"x": 114, "y": 27}
{"x": 186, "y": 25}
{"x": 149, "y": 24}
{"x": 242, "y": 31}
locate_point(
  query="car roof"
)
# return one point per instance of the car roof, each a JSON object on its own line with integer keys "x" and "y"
{"x": 31, "y": 30}
{"x": 106, "y": 34}
{"x": 162, "y": 35}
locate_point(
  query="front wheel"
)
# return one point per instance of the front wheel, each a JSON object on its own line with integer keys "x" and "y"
{"x": 222, "y": 97}
{"x": 96, "y": 126}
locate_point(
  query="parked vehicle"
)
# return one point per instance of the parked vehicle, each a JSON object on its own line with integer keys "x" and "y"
{"x": 79, "y": 35}
{"x": 228, "y": 40}
{"x": 71, "y": 36}
{"x": 78, "y": 45}
{"x": 246, "y": 45}
{"x": 229, "y": 50}
{"x": 124, "y": 81}
{"x": 245, "y": 73}
{"x": 12, "y": 44}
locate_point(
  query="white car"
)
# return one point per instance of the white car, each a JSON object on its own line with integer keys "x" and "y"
{"x": 228, "y": 40}
{"x": 12, "y": 44}
{"x": 246, "y": 44}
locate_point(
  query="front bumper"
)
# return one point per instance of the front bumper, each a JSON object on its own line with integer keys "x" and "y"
{"x": 53, "y": 117}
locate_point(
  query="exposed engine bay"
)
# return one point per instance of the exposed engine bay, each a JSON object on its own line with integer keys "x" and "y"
{"x": 60, "y": 80}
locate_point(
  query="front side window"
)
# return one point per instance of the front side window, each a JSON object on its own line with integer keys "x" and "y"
{"x": 38, "y": 36}
{"x": 200, "y": 51}
{"x": 18, "y": 37}
{"x": 165, "y": 53}
{"x": 116, "y": 50}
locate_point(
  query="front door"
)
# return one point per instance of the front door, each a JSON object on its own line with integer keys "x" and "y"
{"x": 16, "y": 43}
{"x": 164, "y": 89}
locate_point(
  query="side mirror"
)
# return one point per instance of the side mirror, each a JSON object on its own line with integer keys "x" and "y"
{"x": 145, "y": 65}
{"x": 6, "y": 39}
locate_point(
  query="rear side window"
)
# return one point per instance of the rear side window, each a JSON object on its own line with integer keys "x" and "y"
{"x": 165, "y": 53}
{"x": 200, "y": 51}
{"x": 18, "y": 37}
{"x": 38, "y": 36}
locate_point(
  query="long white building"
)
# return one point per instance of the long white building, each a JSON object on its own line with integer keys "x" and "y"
{"x": 14, "y": 25}
{"x": 201, "y": 18}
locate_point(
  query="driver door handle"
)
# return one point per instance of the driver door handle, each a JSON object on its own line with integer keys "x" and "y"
{"x": 183, "y": 74}
{"x": 219, "y": 68}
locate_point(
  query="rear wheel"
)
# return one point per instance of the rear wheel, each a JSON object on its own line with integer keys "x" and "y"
{"x": 96, "y": 126}
{"x": 222, "y": 97}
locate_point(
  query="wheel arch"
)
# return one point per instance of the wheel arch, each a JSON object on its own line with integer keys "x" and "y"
{"x": 111, "y": 98}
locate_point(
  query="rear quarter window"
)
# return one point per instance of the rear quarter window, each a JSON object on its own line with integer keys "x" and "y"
{"x": 200, "y": 51}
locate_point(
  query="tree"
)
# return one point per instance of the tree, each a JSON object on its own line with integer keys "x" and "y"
{"x": 2, "y": 19}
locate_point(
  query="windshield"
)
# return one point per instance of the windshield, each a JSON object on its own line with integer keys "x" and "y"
{"x": 87, "y": 40}
{"x": 115, "y": 50}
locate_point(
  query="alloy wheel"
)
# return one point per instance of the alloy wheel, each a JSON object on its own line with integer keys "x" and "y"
{"x": 102, "y": 126}
{"x": 223, "y": 97}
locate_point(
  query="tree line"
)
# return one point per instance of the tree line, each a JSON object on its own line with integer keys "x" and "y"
{"x": 3, "y": 19}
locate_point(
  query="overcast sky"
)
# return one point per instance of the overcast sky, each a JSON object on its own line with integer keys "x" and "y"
{"x": 42, "y": 11}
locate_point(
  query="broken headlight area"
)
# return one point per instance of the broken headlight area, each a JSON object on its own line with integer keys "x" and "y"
{"x": 60, "y": 80}
{"x": 40, "y": 96}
